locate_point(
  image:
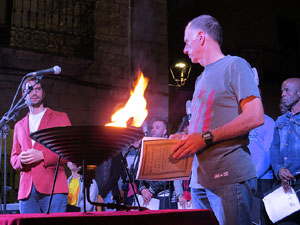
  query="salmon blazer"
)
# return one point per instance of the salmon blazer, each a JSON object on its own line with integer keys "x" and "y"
{"x": 40, "y": 174}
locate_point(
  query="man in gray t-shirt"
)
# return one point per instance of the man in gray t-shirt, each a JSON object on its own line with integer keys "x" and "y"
{"x": 226, "y": 105}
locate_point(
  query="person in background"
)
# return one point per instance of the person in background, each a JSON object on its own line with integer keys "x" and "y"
{"x": 283, "y": 108}
{"x": 285, "y": 146}
{"x": 181, "y": 187}
{"x": 259, "y": 146}
{"x": 157, "y": 189}
{"x": 226, "y": 105}
{"x": 183, "y": 193}
{"x": 35, "y": 162}
{"x": 132, "y": 158}
{"x": 107, "y": 176}
{"x": 75, "y": 196}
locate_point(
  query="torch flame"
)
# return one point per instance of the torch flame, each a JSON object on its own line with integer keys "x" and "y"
{"x": 135, "y": 107}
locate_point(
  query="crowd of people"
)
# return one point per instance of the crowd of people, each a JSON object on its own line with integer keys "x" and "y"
{"x": 239, "y": 152}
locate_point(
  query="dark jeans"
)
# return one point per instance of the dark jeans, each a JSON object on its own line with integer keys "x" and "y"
{"x": 293, "y": 219}
{"x": 38, "y": 203}
{"x": 166, "y": 203}
{"x": 231, "y": 203}
{"x": 263, "y": 186}
{"x": 199, "y": 198}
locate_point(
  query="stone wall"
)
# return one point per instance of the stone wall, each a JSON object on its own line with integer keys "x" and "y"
{"x": 90, "y": 90}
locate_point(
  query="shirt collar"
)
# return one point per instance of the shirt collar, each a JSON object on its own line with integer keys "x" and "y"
{"x": 289, "y": 114}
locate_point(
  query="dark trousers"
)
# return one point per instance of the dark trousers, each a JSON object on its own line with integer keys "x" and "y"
{"x": 166, "y": 203}
{"x": 293, "y": 219}
{"x": 263, "y": 186}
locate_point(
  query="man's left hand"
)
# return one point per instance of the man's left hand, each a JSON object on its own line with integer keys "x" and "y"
{"x": 190, "y": 145}
{"x": 31, "y": 156}
{"x": 285, "y": 175}
{"x": 183, "y": 202}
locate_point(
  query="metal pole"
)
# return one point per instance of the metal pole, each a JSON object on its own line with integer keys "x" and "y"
{"x": 129, "y": 38}
{"x": 55, "y": 176}
{"x": 1, "y": 210}
{"x": 5, "y": 188}
{"x": 84, "y": 191}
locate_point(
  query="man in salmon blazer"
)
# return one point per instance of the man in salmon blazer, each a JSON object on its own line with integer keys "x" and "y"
{"x": 35, "y": 162}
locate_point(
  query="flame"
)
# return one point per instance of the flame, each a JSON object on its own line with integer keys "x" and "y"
{"x": 135, "y": 107}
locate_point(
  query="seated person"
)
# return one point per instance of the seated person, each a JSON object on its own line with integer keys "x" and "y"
{"x": 107, "y": 176}
{"x": 159, "y": 190}
{"x": 132, "y": 157}
{"x": 183, "y": 193}
{"x": 75, "y": 196}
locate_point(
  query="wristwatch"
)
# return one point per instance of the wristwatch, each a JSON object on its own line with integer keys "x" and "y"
{"x": 208, "y": 138}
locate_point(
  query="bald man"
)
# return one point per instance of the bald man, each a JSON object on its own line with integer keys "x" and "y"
{"x": 285, "y": 147}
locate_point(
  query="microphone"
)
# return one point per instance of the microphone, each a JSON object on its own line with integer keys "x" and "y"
{"x": 188, "y": 106}
{"x": 184, "y": 123}
{"x": 145, "y": 128}
{"x": 53, "y": 70}
{"x": 24, "y": 105}
{"x": 256, "y": 77}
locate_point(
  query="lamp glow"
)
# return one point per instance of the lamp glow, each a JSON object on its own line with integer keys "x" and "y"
{"x": 180, "y": 65}
{"x": 180, "y": 73}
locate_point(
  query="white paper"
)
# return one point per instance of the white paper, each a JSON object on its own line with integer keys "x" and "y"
{"x": 279, "y": 204}
{"x": 153, "y": 204}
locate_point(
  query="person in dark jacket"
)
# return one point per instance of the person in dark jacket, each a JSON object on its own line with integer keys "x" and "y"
{"x": 157, "y": 189}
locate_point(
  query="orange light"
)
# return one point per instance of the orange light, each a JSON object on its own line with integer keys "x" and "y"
{"x": 135, "y": 107}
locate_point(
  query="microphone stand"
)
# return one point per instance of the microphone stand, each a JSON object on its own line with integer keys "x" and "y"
{"x": 12, "y": 114}
{"x": 131, "y": 183}
{"x": 183, "y": 124}
{"x": 1, "y": 210}
{"x": 4, "y": 131}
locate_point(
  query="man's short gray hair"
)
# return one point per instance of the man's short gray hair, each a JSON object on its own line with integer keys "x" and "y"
{"x": 209, "y": 25}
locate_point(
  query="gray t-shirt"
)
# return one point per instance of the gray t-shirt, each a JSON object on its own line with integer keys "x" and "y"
{"x": 218, "y": 92}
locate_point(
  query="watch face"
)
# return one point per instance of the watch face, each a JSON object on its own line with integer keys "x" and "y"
{"x": 207, "y": 135}
{"x": 208, "y": 138}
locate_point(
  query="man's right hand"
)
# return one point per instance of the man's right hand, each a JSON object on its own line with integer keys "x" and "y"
{"x": 31, "y": 156}
{"x": 285, "y": 175}
{"x": 147, "y": 195}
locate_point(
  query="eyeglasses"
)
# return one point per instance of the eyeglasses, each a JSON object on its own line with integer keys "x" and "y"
{"x": 37, "y": 89}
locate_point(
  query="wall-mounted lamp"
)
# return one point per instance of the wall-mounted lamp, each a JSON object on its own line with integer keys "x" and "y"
{"x": 180, "y": 73}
